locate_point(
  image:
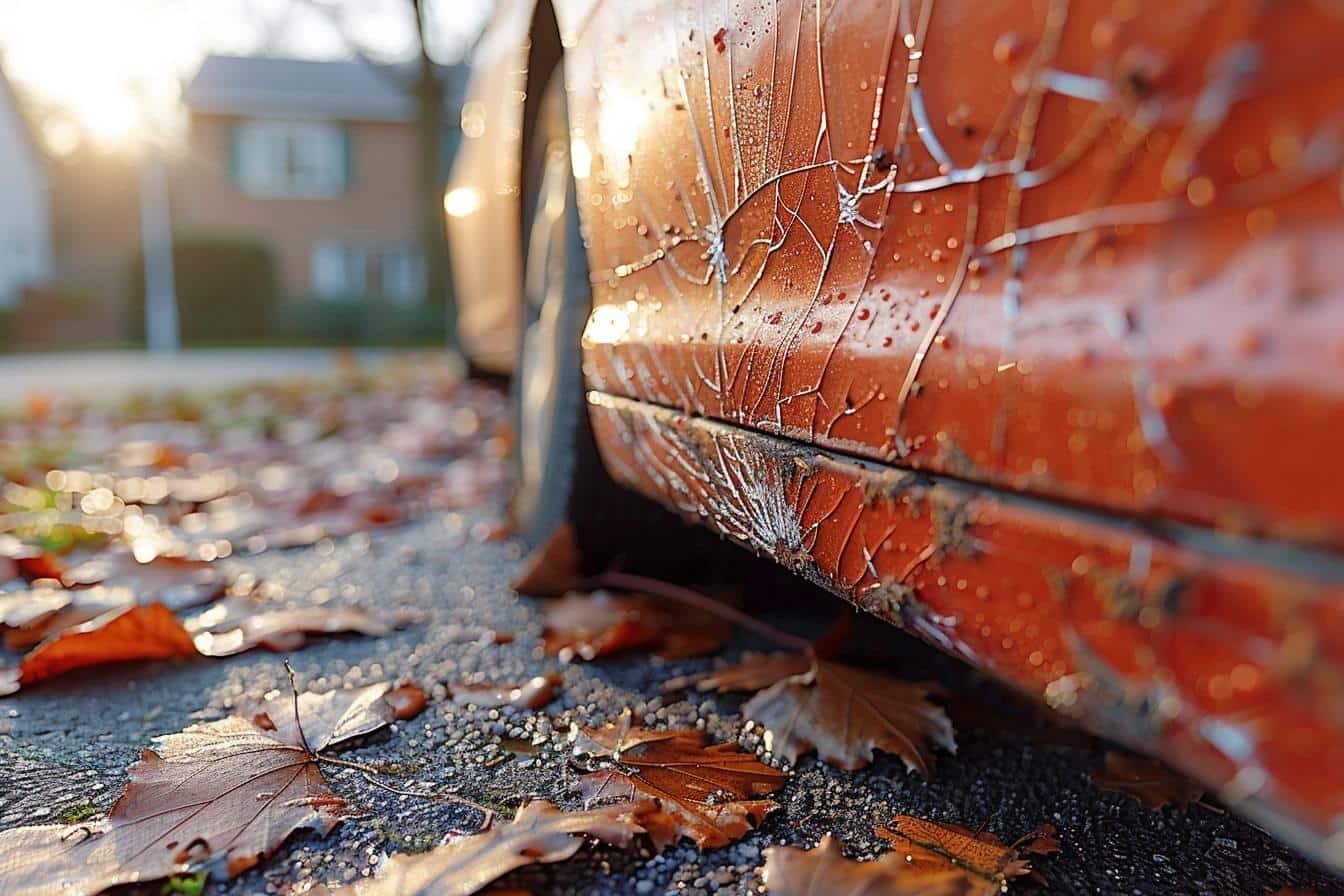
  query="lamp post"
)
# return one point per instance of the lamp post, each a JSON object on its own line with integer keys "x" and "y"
{"x": 156, "y": 237}
{"x": 162, "y": 335}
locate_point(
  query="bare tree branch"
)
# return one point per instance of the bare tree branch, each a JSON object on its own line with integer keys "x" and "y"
{"x": 335, "y": 14}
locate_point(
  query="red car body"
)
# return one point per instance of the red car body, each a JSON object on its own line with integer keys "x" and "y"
{"x": 1020, "y": 325}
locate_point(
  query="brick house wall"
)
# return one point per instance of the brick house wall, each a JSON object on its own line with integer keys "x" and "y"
{"x": 376, "y": 208}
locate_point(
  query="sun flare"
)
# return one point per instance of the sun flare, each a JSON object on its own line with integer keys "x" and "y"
{"x": 112, "y": 70}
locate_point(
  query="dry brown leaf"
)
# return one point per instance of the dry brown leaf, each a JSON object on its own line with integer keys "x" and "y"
{"x": 532, "y": 694}
{"x": 136, "y": 633}
{"x": 24, "y": 608}
{"x": 540, "y": 833}
{"x": 589, "y": 626}
{"x": 952, "y": 860}
{"x": 824, "y": 871}
{"x": 553, "y": 568}
{"x": 706, "y": 793}
{"x": 1148, "y": 781}
{"x": 176, "y": 582}
{"x": 407, "y": 701}
{"x": 845, "y": 713}
{"x": 333, "y": 716}
{"x": 754, "y": 672}
{"x": 68, "y": 608}
{"x": 222, "y": 793}
{"x": 281, "y": 630}
{"x": 28, "y": 561}
{"x": 226, "y": 614}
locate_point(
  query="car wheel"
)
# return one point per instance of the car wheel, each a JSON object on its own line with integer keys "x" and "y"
{"x": 554, "y": 455}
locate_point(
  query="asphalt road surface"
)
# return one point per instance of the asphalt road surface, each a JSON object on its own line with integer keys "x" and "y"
{"x": 66, "y": 744}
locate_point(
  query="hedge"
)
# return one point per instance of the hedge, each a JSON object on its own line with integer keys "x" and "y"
{"x": 226, "y": 290}
{"x": 357, "y": 320}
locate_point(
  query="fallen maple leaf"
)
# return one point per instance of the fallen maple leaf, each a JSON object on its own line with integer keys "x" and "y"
{"x": 703, "y": 792}
{"x": 136, "y": 633}
{"x": 553, "y": 568}
{"x": 842, "y": 712}
{"x": 220, "y": 792}
{"x": 944, "y": 858}
{"x": 824, "y": 871}
{"x": 1148, "y": 781}
{"x": 588, "y": 626}
{"x": 540, "y": 833}
{"x": 334, "y": 716}
{"x": 532, "y": 694}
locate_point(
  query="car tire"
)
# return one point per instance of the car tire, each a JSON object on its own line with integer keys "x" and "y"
{"x": 555, "y": 459}
{"x": 559, "y": 476}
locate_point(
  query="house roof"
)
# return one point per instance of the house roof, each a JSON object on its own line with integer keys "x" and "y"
{"x": 270, "y": 86}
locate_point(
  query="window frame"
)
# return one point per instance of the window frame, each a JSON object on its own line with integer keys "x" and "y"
{"x": 276, "y": 158}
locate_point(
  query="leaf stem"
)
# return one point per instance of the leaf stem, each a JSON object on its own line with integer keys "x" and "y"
{"x": 488, "y": 814}
{"x": 629, "y": 582}
{"x": 298, "y": 722}
{"x": 369, "y": 771}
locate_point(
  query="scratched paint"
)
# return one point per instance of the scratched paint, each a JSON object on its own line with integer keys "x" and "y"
{"x": 1220, "y": 656}
{"x": 1086, "y": 250}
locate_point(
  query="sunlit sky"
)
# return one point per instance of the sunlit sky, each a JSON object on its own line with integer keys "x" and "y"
{"x": 111, "y": 71}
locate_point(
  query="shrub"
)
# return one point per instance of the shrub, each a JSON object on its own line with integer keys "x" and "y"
{"x": 226, "y": 290}
{"x": 357, "y": 320}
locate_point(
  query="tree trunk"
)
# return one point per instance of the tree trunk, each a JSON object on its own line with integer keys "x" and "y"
{"x": 430, "y": 182}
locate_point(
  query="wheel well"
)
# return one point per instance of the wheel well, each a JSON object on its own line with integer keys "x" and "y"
{"x": 544, "y": 55}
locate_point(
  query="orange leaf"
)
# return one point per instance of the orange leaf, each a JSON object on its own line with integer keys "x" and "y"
{"x": 540, "y": 833}
{"x": 702, "y": 792}
{"x": 960, "y": 860}
{"x": 1148, "y": 781}
{"x": 136, "y": 633}
{"x": 407, "y": 701}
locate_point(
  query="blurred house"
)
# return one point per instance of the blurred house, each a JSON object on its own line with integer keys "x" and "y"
{"x": 25, "y": 203}
{"x": 314, "y": 158}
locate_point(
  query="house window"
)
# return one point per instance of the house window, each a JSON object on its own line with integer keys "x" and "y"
{"x": 296, "y": 159}
{"x": 344, "y": 270}
{"x": 339, "y": 271}
{"x": 403, "y": 275}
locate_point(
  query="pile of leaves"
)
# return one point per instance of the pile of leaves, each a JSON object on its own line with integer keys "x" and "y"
{"x": 117, "y": 523}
